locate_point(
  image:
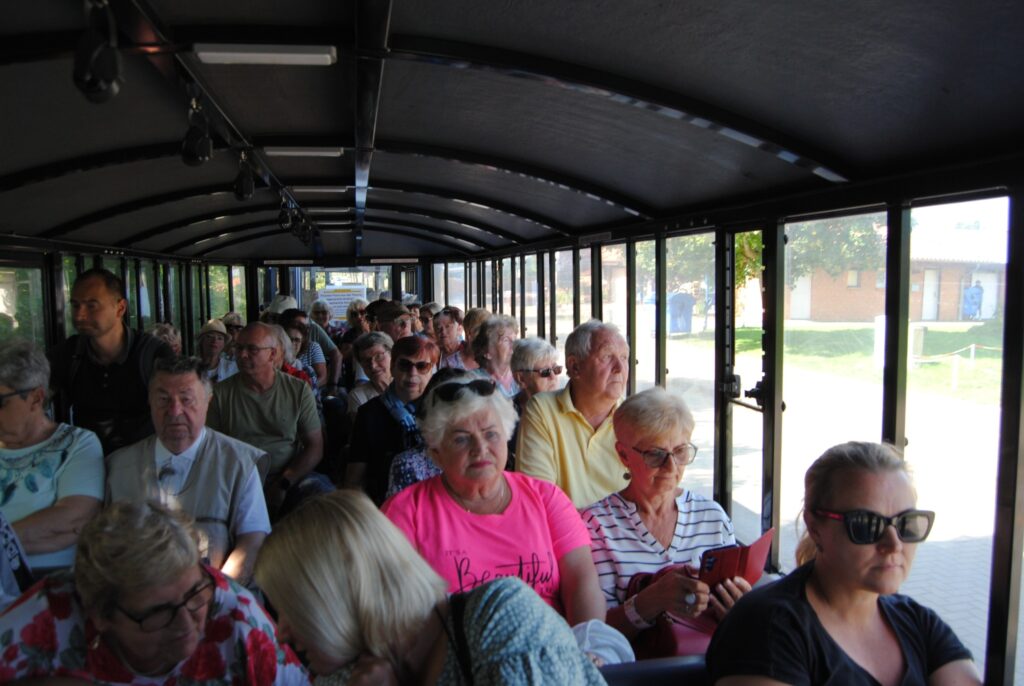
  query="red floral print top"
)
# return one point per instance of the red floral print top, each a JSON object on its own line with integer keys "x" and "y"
{"x": 46, "y": 633}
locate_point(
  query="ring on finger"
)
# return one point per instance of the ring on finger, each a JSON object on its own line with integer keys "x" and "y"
{"x": 690, "y": 599}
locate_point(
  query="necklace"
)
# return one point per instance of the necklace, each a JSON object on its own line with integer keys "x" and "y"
{"x": 502, "y": 499}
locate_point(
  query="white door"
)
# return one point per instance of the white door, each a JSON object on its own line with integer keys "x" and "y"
{"x": 800, "y": 298}
{"x": 930, "y": 297}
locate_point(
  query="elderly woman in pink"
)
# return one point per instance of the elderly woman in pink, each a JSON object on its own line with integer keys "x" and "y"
{"x": 475, "y": 521}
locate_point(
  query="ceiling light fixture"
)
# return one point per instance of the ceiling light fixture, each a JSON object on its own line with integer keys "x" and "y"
{"x": 245, "y": 184}
{"x": 303, "y": 151}
{"x": 282, "y": 55}
{"x": 197, "y": 146}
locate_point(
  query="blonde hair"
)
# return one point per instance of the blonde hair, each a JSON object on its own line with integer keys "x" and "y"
{"x": 350, "y": 581}
{"x": 652, "y": 413}
{"x": 475, "y": 316}
{"x": 130, "y": 547}
{"x": 823, "y": 479}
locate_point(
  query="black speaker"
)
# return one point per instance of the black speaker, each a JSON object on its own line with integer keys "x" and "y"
{"x": 97, "y": 70}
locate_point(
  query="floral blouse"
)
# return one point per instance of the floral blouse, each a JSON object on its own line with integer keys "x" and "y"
{"x": 46, "y": 633}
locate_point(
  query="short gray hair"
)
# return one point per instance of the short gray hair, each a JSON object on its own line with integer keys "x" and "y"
{"x": 579, "y": 341}
{"x": 283, "y": 342}
{"x": 320, "y": 304}
{"x": 653, "y": 412}
{"x": 23, "y": 365}
{"x": 528, "y": 351}
{"x": 490, "y": 330}
{"x": 368, "y": 340}
{"x": 438, "y": 415}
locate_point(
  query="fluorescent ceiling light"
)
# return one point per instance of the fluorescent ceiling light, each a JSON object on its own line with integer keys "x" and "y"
{"x": 321, "y": 189}
{"x": 302, "y": 151}
{"x": 289, "y": 55}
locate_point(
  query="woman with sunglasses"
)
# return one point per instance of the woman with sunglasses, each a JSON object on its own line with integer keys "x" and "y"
{"x": 386, "y": 425}
{"x": 535, "y": 369}
{"x": 475, "y": 521}
{"x": 655, "y": 523}
{"x": 140, "y": 608}
{"x": 838, "y": 617}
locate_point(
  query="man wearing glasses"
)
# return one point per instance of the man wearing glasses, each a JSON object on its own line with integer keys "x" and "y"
{"x": 275, "y": 412}
{"x": 566, "y": 436}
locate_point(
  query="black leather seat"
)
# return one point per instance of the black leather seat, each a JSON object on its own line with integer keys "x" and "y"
{"x": 677, "y": 671}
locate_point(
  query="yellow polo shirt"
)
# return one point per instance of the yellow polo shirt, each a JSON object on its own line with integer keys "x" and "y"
{"x": 557, "y": 443}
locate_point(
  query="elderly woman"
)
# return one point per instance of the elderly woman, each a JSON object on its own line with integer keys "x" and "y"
{"x": 142, "y": 609}
{"x": 355, "y": 315}
{"x": 168, "y": 333}
{"x": 387, "y": 618}
{"x": 320, "y": 312}
{"x": 838, "y": 618}
{"x": 373, "y": 352}
{"x": 535, "y": 369}
{"x": 426, "y": 317}
{"x": 308, "y": 354}
{"x": 492, "y": 349}
{"x": 213, "y": 338}
{"x": 475, "y": 521}
{"x": 654, "y": 523}
{"x": 291, "y": 365}
{"x": 386, "y": 425}
{"x": 448, "y": 331}
{"x": 51, "y": 475}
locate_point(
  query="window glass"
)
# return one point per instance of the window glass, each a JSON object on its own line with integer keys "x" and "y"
{"x": 530, "y": 302}
{"x": 471, "y": 292}
{"x": 957, "y": 296}
{"x": 690, "y": 360}
{"x": 834, "y": 339}
{"x": 507, "y": 286}
{"x": 112, "y": 264}
{"x": 176, "y": 313}
{"x": 21, "y": 304}
{"x": 70, "y": 274}
{"x": 219, "y": 285}
{"x": 457, "y": 284}
{"x": 131, "y": 314}
{"x": 197, "y": 297}
{"x": 238, "y": 288}
{"x": 440, "y": 297}
{"x": 613, "y": 285}
{"x": 488, "y": 268}
{"x": 645, "y": 306}
{"x": 148, "y": 294}
{"x": 586, "y": 284}
{"x": 563, "y": 324}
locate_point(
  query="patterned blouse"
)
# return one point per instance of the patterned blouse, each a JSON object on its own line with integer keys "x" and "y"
{"x": 46, "y": 633}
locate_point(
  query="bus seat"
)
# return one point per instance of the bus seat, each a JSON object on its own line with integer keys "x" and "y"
{"x": 689, "y": 670}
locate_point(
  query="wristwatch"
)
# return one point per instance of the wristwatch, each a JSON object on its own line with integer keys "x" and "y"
{"x": 633, "y": 616}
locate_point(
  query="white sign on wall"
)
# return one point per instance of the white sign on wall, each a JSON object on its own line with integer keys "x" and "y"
{"x": 339, "y": 297}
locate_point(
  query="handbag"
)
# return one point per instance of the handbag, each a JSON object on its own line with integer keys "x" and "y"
{"x": 672, "y": 635}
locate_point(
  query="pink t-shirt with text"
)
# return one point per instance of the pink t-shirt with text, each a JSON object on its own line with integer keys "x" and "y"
{"x": 527, "y": 540}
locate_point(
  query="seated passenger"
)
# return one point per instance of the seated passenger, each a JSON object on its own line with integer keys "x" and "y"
{"x": 51, "y": 475}
{"x": 169, "y": 334}
{"x": 654, "y": 523}
{"x": 140, "y": 608}
{"x": 492, "y": 349}
{"x": 567, "y": 437}
{"x": 426, "y": 317}
{"x": 838, "y": 617}
{"x": 320, "y": 312}
{"x": 535, "y": 368}
{"x": 448, "y": 332}
{"x": 272, "y": 411}
{"x": 386, "y": 425}
{"x": 307, "y": 353}
{"x": 214, "y": 478}
{"x": 213, "y": 339}
{"x": 287, "y": 362}
{"x": 475, "y": 521}
{"x": 355, "y": 316}
{"x": 373, "y": 352}
{"x": 386, "y": 620}
{"x": 395, "y": 320}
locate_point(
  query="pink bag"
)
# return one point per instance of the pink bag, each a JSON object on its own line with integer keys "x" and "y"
{"x": 671, "y": 635}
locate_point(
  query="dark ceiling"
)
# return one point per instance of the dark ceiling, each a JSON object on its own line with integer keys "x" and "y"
{"x": 480, "y": 125}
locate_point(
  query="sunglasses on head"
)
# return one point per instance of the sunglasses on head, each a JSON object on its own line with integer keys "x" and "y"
{"x": 450, "y": 391}
{"x": 865, "y": 527}
{"x": 422, "y": 366}
{"x": 547, "y": 372}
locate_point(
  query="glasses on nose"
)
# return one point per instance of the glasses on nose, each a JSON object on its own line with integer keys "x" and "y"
{"x": 422, "y": 366}
{"x": 546, "y": 372}
{"x": 162, "y": 616}
{"x": 296, "y": 340}
{"x": 865, "y": 527}
{"x": 450, "y": 391}
{"x": 252, "y": 349}
{"x": 233, "y": 327}
{"x": 656, "y": 457}
{"x": 380, "y": 358}
{"x": 5, "y": 396}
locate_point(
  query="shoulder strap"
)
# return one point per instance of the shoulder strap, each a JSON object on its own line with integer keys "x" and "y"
{"x": 457, "y": 603}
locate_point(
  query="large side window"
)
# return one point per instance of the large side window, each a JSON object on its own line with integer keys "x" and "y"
{"x": 21, "y": 304}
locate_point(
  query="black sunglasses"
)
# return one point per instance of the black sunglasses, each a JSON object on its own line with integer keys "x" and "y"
{"x": 422, "y": 366}
{"x": 865, "y": 527}
{"x": 450, "y": 391}
{"x": 547, "y": 372}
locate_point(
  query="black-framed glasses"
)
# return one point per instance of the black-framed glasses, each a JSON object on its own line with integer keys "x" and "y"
{"x": 252, "y": 349}
{"x": 546, "y": 372}
{"x": 865, "y": 527}
{"x": 656, "y": 457}
{"x": 21, "y": 392}
{"x": 406, "y": 365}
{"x": 162, "y": 616}
{"x": 450, "y": 391}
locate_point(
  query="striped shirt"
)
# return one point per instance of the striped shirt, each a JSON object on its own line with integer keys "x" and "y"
{"x": 622, "y": 546}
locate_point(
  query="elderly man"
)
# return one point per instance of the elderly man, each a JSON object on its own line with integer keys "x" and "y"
{"x": 213, "y": 338}
{"x": 100, "y": 375}
{"x": 214, "y": 478}
{"x": 373, "y": 352}
{"x": 395, "y": 320}
{"x": 270, "y": 410}
{"x": 566, "y": 436}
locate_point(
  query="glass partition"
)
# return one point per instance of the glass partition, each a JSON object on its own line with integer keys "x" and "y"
{"x": 613, "y": 286}
{"x": 457, "y": 284}
{"x": 69, "y": 264}
{"x": 472, "y": 297}
{"x": 507, "y": 286}
{"x": 562, "y": 325}
{"x": 440, "y": 295}
{"x": 645, "y": 305}
{"x": 147, "y": 294}
{"x": 219, "y": 284}
{"x": 530, "y": 301}
{"x": 586, "y": 284}
{"x": 21, "y": 304}
{"x": 238, "y": 289}
{"x": 489, "y": 303}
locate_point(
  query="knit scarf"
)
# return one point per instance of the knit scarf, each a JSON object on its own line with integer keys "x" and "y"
{"x": 404, "y": 414}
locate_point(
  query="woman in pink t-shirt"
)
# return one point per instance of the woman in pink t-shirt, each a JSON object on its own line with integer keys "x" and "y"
{"x": 475, "y": 522}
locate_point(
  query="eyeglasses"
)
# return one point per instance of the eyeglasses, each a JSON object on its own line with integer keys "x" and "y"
{"x": 21, "y": 392}
{"x": 359, "y": 313}
{"x": 162, "y": 616}
{"x": 865, "y": 527}
{"x": 656, "y": 457}
{"x": 405, "y": 365}
{"x": 233, "y": 327}
{"x": 450, "y": 391}
{"x": 379, "y": 358}
{"x": 252, "y": 349}
{"x": 547, "y": 372}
